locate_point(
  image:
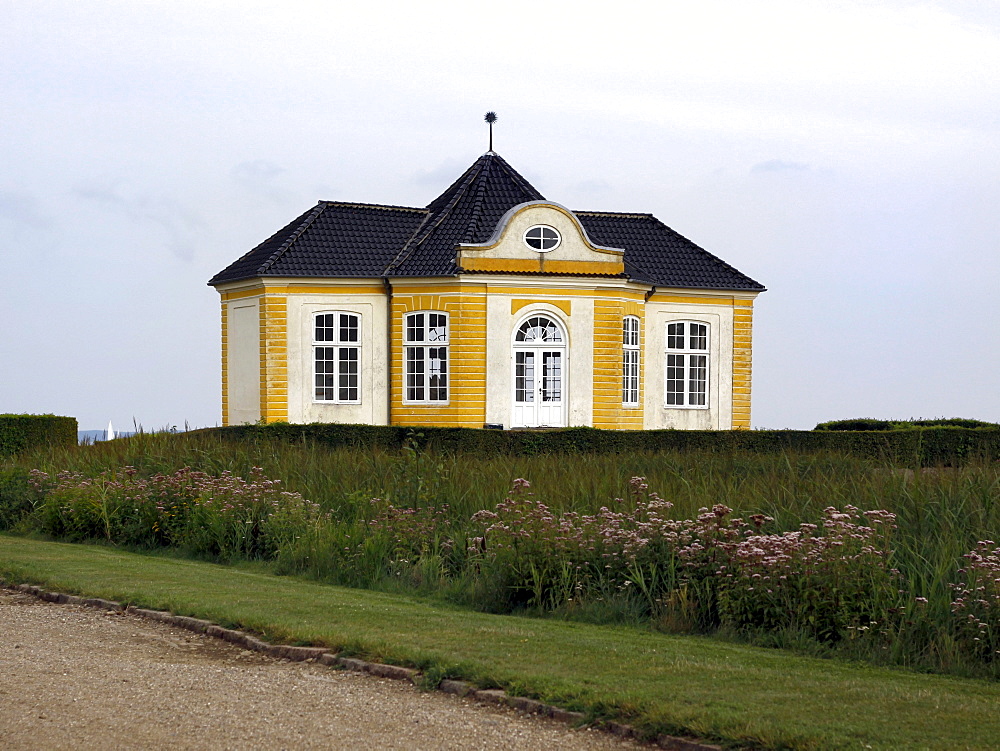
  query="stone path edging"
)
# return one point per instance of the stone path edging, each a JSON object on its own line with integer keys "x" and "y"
{"x": 323, "y": 657}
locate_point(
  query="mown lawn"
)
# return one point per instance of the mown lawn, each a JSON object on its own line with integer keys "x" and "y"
{"x": 740, "y": 695}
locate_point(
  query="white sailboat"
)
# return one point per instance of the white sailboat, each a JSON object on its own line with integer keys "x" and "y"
{"x": 110, "y": 435}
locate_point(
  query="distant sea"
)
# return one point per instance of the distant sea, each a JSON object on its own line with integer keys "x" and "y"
{"x": 92, "y": 436}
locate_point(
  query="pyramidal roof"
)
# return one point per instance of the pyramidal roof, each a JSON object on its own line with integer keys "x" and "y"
{"x": 337, "y": 239}
{"x": 467, "y": 212}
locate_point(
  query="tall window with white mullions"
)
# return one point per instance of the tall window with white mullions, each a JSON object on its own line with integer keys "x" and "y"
{"x": 687, "y": 365}
{"x": 337, "y": 357}
{"x": 630, "y": 361}
{"x": 426, "y": 351}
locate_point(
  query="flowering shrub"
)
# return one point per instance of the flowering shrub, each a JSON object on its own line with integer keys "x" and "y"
{"x": 976, "y": 602}
{"x": 834, "y": 581}
{"x": 720, "y": 570}
{"x": 226, "y": 516}
{"x": 828, "y": 581}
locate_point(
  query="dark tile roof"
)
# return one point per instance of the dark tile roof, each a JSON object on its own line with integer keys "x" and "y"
{"x": 467, "y": 212}
{"x": 362, "y": 240}
{"x": 655, "y": 254}
{"x": 331, "y": 239}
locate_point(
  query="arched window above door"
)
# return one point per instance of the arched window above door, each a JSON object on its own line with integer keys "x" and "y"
{"x": 539, "y": 329}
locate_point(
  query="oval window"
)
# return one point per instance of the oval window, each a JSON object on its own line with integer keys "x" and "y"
{"x": 542, "y": 238}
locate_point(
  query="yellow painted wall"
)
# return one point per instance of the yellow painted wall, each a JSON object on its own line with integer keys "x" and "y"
{"x": 742, "y": 363}
{"x": 609, "y": 412}
{"x": 274, "y": 358}
{"x": 466, "y": 308}
{"x": 225, "y": 363}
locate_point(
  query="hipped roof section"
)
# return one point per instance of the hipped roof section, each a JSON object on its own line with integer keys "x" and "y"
{"x": 336, "y": 239}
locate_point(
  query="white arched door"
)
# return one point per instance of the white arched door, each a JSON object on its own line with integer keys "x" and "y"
{"x": 540, "y": 355}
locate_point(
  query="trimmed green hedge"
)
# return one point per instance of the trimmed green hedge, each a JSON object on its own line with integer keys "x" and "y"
{"x": 18, "y": 432}
{"x": 868, "y": 423}
{"x": 921, "y": 446}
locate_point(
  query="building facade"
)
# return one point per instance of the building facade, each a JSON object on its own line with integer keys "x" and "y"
{"x": 491, "y": 306}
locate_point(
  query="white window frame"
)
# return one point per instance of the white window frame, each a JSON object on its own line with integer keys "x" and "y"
{"x": 688, "y": 358}
{"x": 340, "y": 346}
{"x": 539, "y": 230}
{"x": 552, "y": 338}
{"x": 423, "y": 341}
{"x": 631, "y": 378}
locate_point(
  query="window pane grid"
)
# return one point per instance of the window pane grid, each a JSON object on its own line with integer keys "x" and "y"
{"x": 551, "y": 376}
{"x": 675, "y": 380}
{"x": 698, "y": 337}
{"x": 541, "y": 238}
{"x": 426, "y": 377}
{"x": 630, "y": 377}
{"x": 630, "y": 332}
{"x": 539, "y": 329}
{"x": 675, "y": 336}
{"x": 697, "y": 379}
{"x": 524, "y": 376}
{"x": 686, "y": 382}
{"x": 325, "y": 331}
{"x": 337, "y": 369}
{"x": 348, "y": 328}
{"x": 415, "y": 327}
{"x": 630, "y": 361}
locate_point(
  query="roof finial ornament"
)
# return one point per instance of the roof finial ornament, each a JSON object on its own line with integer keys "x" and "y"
{"x": 491, "y": 117}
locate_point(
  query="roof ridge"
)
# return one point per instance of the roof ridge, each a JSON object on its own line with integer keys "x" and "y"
{"x": 433, "y": 220}
{"x": 296, "y": 234}
{"x": 632, "y": 214}
{"x": 360, "y": 205}
{"x": 494, "y": 159}
{"x": 477, "y": 207}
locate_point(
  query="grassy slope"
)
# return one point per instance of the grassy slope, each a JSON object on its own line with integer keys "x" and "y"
{"x": 667, "y": 683}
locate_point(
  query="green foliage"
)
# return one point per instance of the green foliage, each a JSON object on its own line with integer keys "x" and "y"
{"x": 935, "y": 443}
{"x": 20, "y": 432}
{"x": 411, "y": 519}
{"x": 224, "y": 517}
{"x": 868, "y": 423}
{"x": 860, "y": 423}
{"x": 16, "y": 497}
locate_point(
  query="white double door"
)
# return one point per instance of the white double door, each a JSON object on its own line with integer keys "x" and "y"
{"x": 539, "y": 387}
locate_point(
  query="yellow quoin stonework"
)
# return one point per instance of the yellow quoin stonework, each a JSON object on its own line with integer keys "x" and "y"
{"x": 274, "y": 358}
{"x": 225, "y": 362}
{"x": 609, "y": 412}
{"x": 742, "y": 362}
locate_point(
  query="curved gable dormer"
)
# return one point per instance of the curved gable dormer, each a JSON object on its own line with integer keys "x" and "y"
{"x": 524, "y": 242}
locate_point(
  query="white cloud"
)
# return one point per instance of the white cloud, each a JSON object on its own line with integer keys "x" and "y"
{"x": 778, "y": 165}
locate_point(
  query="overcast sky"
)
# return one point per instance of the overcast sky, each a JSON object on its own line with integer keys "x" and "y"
{"x": 842, "y": 153}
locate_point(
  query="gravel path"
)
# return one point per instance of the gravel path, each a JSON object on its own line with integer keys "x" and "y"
{"x": 76, "y": 677}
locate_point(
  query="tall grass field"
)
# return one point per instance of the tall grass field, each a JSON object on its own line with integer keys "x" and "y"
{"x": 823, "y": 553}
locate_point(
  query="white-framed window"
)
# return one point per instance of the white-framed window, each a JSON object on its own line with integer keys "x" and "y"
{"x": 337, "y": 357}
{"x": 687, "y": 365}
{"x": 540, "y": 359}
{"x": 425, "y": 337}
{"x": 539, "y": 330}
{"x": 630, "y": 361}
{"x": 542, "y": 238}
